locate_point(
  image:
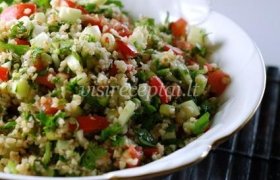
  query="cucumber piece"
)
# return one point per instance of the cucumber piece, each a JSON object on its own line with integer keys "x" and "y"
{"x": 167, "y": 110}
{"x": 62, "y": 145}
{"x": 187, "y": 110}
{"x": 42, "y": 41}
{"x": 201, "y": 82}
{"x": 92, "y": 31}
{"x": 126, "y": 113}
{"x": 73, "y": 62}
{"x": 197, "y": 36}
{"x": 144, "y": 92}
{"x": 21, "y": 88}
{"x": 68, "y": 14}
{"x": 12, "y": 167}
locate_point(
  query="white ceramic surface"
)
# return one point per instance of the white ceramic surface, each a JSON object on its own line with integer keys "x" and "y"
{"x": 237, "y": 55}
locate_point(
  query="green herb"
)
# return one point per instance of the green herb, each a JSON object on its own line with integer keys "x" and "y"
{"x": 9, "y": 125}
{"x": 54, "y": 28}
{"x": 145, "y": 138}
{"x": 18, "y": 49}
{"x": 209, "y": 106}
{"x": 65, "y": 47}
{"x": 36, "y": 52}
{"x": 110, "y": 131}
{"x": 148, "y": 108}
{"x": 148, "y": 22}
{"x": 91, "y": 155}
{"x": 9, "y": 2}
{"x": 91, "y": 7}
{"x": 199, "y": 50}
{"x": 98, "y": 102}
{"x": 48, "y": 154}
{"x": 117, "y": 141}
{"x": 156, "y": 102}
{"x": 1, "y": 9}
{"x": 49, "y": 123}
{"x": 118, "y": 3}
{"x": 42, "y": 3}
{"x": 201, "y": 124}
{"x": 144, "y": 76}
{"x": 19, "y": 30}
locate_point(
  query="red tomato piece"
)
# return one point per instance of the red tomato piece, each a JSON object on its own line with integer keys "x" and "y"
{"x": 176, "y": 50}
{"x": 4, "y": 74}
{"x": 17, "y": 11}
{"x": 72, "y": 4}
{"x": 182, "y": 44}
{"x": 127, "y": 50}
{"x": 22, "y": 42}
{"x": 191, "y": 62}
{"x": 93, "y": 20}
{"x": 47, "y": 107}
{"x": 113, "y": 70}
{"x": 179, "y": 27}
{"x": 92, "y": 123}
{"x": 44, "y": 81}
{"x": 39, "y": 65}
{"x": 135, "y": 153}
{"x": 218, "y": 81}
{"x": 121, "y": 28}
{"x": 72, "y": 127}
{"x": 159, "y": 88}
{"x": 209, "y": 67}
{"x": 150, "y": 151}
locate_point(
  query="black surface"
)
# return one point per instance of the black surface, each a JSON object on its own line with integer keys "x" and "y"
{"x": 251, "y": 154}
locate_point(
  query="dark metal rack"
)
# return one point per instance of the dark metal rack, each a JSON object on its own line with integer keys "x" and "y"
{"x": 251, "y": 154}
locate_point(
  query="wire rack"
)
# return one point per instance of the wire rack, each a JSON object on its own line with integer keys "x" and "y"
{"x": 251, "y": 154}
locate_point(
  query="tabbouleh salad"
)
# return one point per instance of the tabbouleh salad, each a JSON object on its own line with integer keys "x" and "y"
{"x": 85, "y": 89}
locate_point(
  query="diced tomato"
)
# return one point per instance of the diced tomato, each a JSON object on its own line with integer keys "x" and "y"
{"x": 135, "y": 153}
{"x": 92, "y": 123}
{"x": 4, "y": 74}
{"x": 176, "y": 50}
{"x": 113, "y": 70}
{"x": 218, "y": 81}
{"x": 191, "y": 62}
{"x": 93, "y": 20}
{"x": 72, "y": 127}
{"x": 159, "y": 88}
{"x": 150, "y": 151}
{"x": 182, "y": 44}
{"x": 209, "y": 67}
{"x": 22, "y": 42}
{"x": 44, "y": 81}
{"x": 121, "y": 28}
{"x": 127, "y": 50}
{"x": 47, "y": 107}
{"x": 17, "y": 11}
{"x": 72, "y": 4}
{"x": 179, "y": 28}
{"x": 39, "y": 65}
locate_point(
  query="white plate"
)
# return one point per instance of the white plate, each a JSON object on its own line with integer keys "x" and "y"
{"x": 237, "y": 55}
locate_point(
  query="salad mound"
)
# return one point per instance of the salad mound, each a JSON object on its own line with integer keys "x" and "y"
{"x": 85, "y": 89}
